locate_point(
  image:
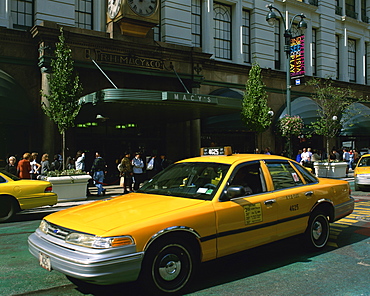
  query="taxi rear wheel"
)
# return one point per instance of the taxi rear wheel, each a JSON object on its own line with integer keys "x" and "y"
{"x": 318, "y": 230}
{"x": 8, "y": 208}
{"x": 169, "y": 266}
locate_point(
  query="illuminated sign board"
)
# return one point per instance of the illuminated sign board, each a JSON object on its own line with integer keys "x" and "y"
{"x": 297, "y": 67}
{"x": 185, "y": 97}
{"x": 207, "y": 151}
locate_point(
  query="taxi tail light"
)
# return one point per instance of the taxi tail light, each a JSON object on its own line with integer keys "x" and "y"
{"x": 48, "y": 189}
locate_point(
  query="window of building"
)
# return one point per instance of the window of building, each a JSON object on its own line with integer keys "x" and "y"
{"x": 364, "y": 16}
{"x": 338, "y": 7}
{"x": 366, "y": 61}
{"x": 352, "y": 59}
{"x": 337, "y": 62}
{"x": 313, "y": 53}
{"x": 277, "y": 46}
{"x": 246, "y": 36}
{"x": 84, "y": 14}
{"x": 22, "y": 14}
{"x": 222, "y": 27}
{"x": 157, "y": 33}
{"x": 196, "y": 23}
{"x": 351, "y": 9}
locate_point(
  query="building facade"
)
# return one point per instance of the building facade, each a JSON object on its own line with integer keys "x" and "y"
{"x": 170, "y": 79}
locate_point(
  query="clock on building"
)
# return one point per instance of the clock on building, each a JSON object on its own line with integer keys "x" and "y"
{"x": 134, "y": 17}
{"x": 143, "y": 7}
{"x": 113, "y": 8}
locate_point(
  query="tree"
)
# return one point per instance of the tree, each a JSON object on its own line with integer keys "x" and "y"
{"x": 332, "y": 101}
{"x": 256, "y": 115}
{"x": 62, "y": 101}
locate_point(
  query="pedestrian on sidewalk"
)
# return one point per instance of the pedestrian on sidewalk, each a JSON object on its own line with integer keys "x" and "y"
{"x": 24, "y": 167}
{"x": 11, "y": 166}
{"x": 137, "y": 167}
{"x": 126, "y": 173}
{"x": 35, "y": 166}
{"x": 98, "y": 170}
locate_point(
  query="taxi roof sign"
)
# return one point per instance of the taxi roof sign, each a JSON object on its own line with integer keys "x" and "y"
{"x": 209, "y": 151}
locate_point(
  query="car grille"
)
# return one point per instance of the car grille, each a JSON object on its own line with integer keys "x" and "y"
{"x": 57, "y": 231}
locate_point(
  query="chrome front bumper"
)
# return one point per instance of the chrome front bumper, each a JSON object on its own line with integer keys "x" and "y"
{"x": 363, "y": 180}
{"x": 344, "y": 209}
{"x": 99, "y": 266}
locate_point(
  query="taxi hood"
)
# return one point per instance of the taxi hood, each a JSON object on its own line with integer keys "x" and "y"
{"x": 105, "y": 215}
{"x": 363, "y": 170}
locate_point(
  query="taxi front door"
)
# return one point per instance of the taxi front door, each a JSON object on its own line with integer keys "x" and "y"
{"x": 247, "y": 221}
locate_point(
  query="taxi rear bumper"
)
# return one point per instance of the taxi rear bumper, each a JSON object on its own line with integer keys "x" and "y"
{"x": 102, "y": 267}
{"x": 344, "y": 209}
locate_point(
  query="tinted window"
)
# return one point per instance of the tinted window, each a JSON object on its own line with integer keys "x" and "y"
{"x": 283, "y": 175}
{"x": 2, "y": 180}
{"x": 249, "y": 176}
{"x": 308, "y": 177}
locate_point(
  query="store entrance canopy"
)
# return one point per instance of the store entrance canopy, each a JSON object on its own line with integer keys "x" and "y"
{"x": 135, "y": 105}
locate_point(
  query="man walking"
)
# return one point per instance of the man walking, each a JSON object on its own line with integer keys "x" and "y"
{"x": 126, "y": 173}
{"x": 98, "y": 169}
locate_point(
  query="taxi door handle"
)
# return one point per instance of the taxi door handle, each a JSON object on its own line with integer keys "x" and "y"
{"x": 309, "y": 193}
{"x": 270, "y": 202}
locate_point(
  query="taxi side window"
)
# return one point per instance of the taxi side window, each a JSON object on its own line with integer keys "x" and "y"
{"x": 250, "y": 177}
{"x": 283, "y": 175}
{"x": 2, "y": 180}
{"x": 308, "y": 177}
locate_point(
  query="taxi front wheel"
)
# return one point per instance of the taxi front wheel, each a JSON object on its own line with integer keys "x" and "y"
{"x": 318, "y": 230}
{"x": 169, "y": 266}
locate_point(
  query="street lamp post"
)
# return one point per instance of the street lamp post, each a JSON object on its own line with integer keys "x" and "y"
{"x": 271, "y": 18}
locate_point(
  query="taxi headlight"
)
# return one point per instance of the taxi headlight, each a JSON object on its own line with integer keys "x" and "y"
{"x": 362, "y": 176}
{"x": 43, "y": 226}
{"x": 92, "y": 241}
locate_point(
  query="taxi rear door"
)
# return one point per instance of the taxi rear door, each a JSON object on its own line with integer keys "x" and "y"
{"x": 294, "y": 198}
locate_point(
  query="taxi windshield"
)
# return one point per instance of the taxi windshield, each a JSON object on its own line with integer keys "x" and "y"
{"x": 199, "y": 180}
{"x": 364, "y": 162}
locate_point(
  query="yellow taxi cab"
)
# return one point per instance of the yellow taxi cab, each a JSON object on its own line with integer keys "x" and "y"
{"x": 362, "y": 172}
{"x": 196, "y": 210}
{"x": 19, "y": 194}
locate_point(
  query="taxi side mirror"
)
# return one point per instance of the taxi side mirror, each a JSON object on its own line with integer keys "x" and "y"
{"x": 233, "y": 192}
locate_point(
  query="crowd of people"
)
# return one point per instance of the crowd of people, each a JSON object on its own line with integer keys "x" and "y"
{"x": 308, "y": 156}
{"x": 29, "y": 168}
{"x": 131, "y": 171}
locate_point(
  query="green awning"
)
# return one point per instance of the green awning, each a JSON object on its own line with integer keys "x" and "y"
{"x": 356, "y": 120}
{"x": 135, "y": 105}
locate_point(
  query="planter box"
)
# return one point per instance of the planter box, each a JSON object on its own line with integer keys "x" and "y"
{"x": 330, "y": 169}
{"x": 70, "y": 187}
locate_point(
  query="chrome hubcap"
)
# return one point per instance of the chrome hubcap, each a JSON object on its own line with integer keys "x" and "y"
{"x": 170, "y": 267}
{"x": 317, "y": 230}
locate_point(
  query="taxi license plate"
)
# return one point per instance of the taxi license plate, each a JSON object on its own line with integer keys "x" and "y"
{"x": 45, "y": 261}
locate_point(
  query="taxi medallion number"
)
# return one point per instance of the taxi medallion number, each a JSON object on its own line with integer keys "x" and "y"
{"x": 45, "y": 261}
